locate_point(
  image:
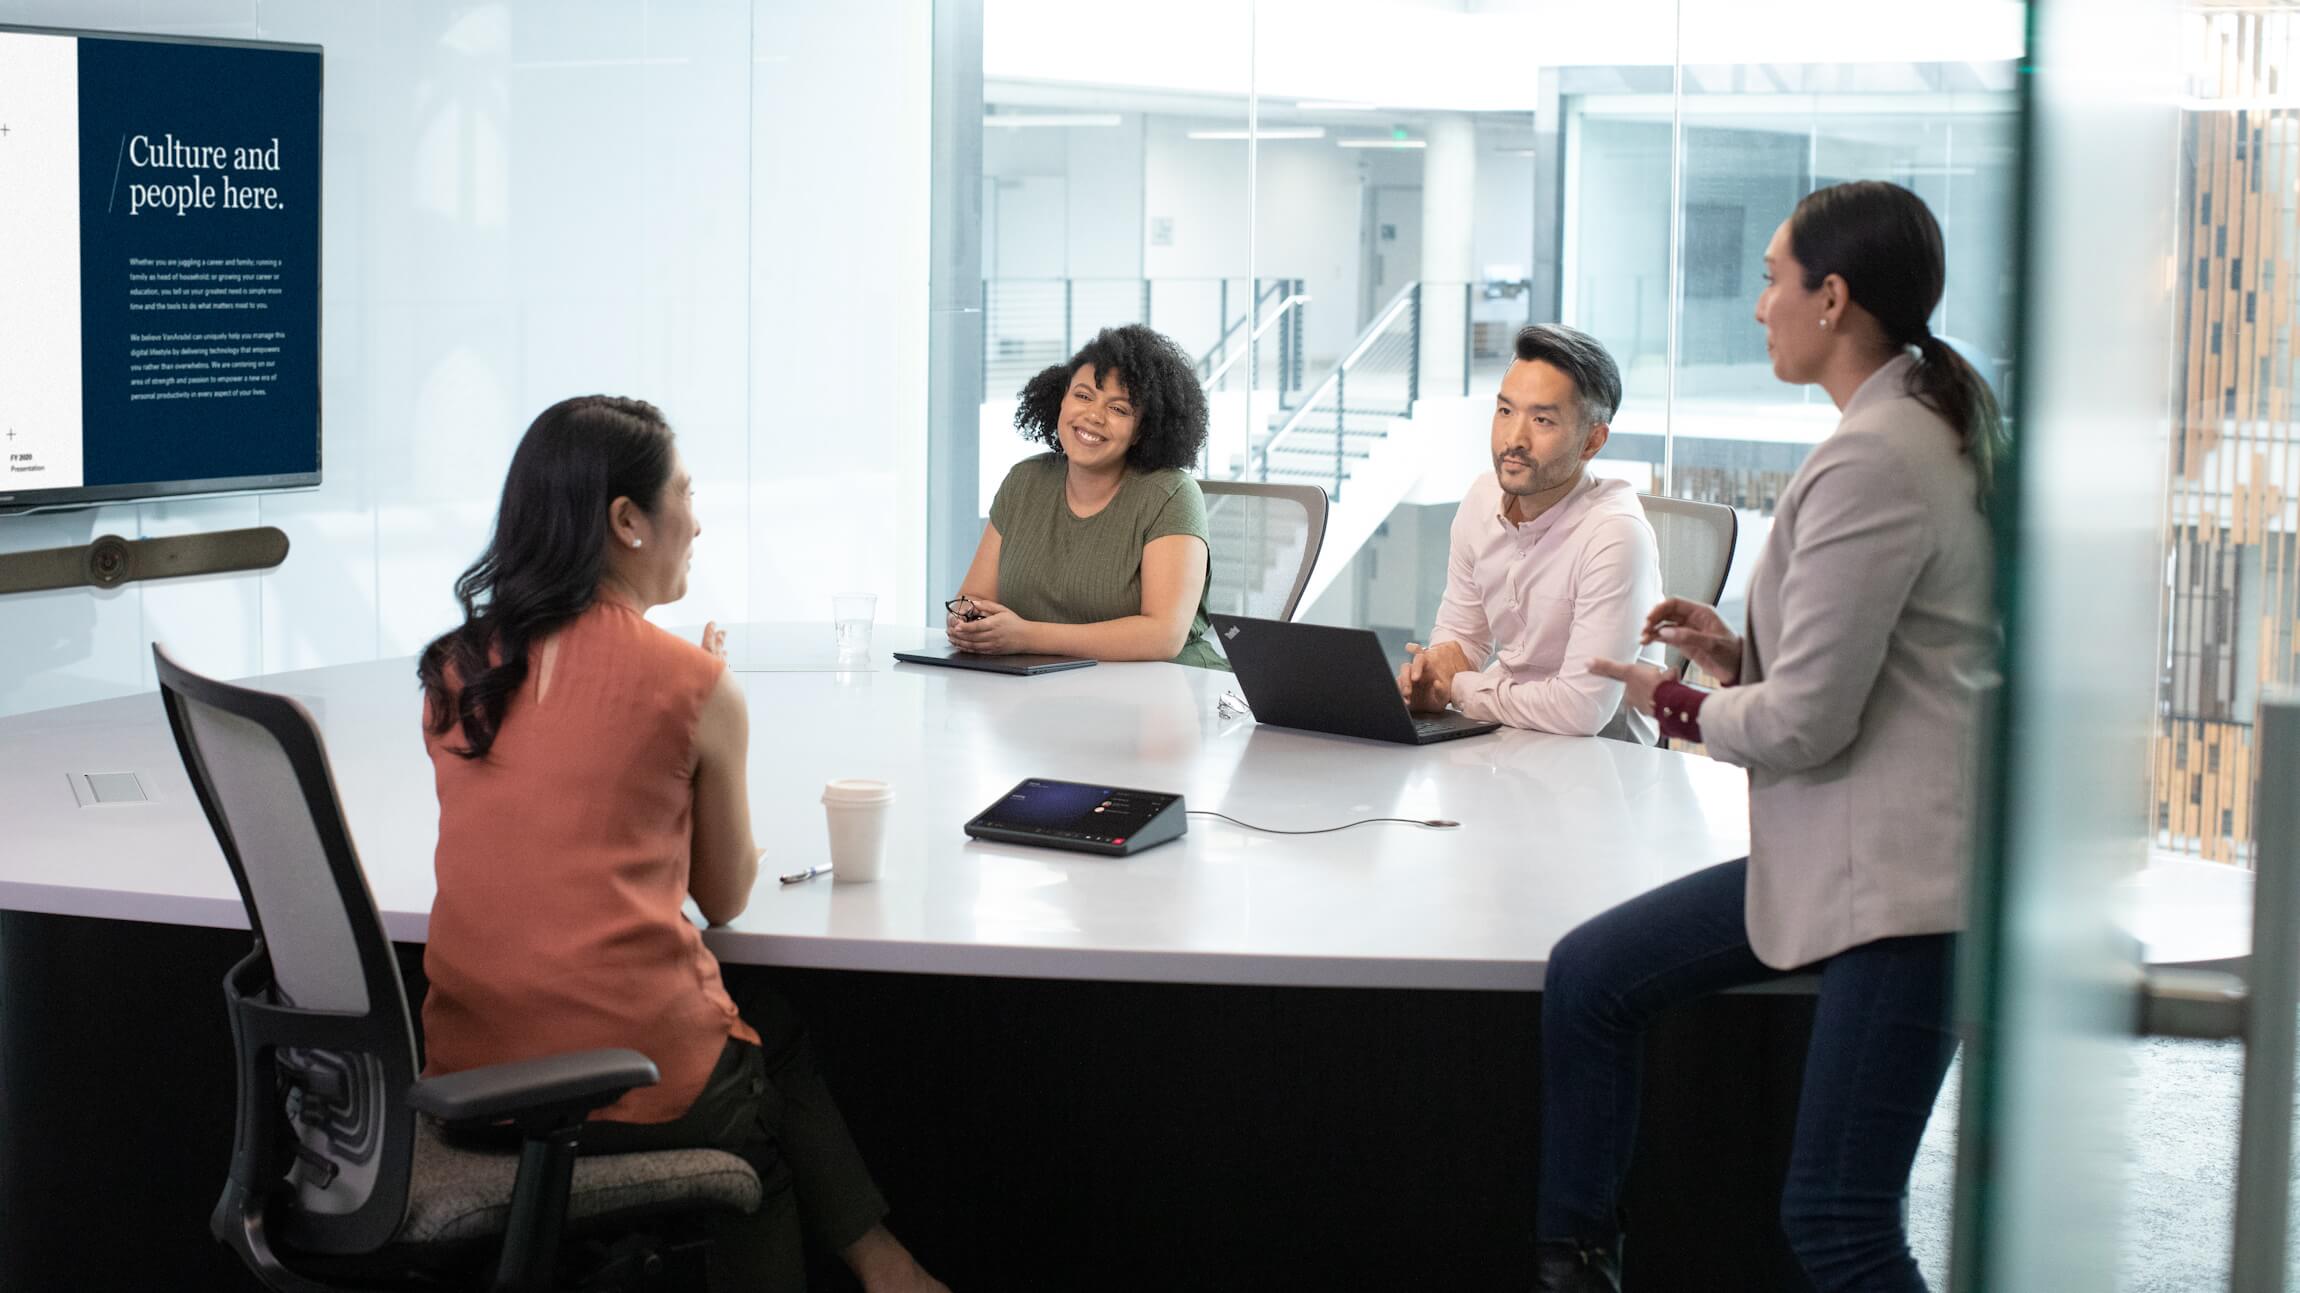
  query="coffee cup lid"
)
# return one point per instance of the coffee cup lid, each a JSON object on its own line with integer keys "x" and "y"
{"x": 857, "y": 790}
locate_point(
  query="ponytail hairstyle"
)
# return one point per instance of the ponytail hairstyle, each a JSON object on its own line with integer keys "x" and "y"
{"x": 543, "y": 564}
{"x": 1883, "y": 241}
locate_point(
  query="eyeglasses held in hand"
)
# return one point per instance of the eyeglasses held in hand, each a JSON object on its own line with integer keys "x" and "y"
{"x": 963, "y": 607}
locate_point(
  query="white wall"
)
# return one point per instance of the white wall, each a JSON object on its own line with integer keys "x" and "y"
{"x": 1024, "y": 203}
{"x": 1504, "y": 219}
{"x": 1197, "y": 187}
{"x": 524, "y": 201}
{"x": 1617, "y": 246}
{"x": 1104, "y": 165}
{"x": 1505, "y": 234}
{"x": 1084, "y": 201}
{"x": 1310, "y": 207}
{"x": 839, "y": 212}
{"x": 1063, "y": 201}
{"x": 1309, "y": 196}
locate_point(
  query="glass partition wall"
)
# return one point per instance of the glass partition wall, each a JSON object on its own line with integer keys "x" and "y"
{"x": 1346, "y": 212}
{"x": 1347, "y": 208}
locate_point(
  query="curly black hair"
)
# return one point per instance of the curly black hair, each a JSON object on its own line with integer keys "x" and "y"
{"x": 1162, "y": 381}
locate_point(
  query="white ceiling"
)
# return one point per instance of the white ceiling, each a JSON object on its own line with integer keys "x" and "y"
{"x": 1462, "y": 55}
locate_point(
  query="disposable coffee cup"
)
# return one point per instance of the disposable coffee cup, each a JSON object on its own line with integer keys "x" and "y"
{"x": 856, "y": 813}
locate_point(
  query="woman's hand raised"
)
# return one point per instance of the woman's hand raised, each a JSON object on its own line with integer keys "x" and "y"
{"x": 1700, "y": 632}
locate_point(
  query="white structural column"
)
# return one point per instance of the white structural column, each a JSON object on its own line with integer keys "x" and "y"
{"x": 1449, "y": 225}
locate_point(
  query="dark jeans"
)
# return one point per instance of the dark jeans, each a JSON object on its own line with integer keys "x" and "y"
{"x": 768, "y": 1104}
{"x": 1880, "y": 1045}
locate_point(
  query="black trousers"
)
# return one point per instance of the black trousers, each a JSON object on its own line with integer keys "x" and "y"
{"x": 768, "y": 1105}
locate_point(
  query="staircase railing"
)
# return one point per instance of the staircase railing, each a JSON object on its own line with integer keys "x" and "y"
{"x": 1287, "y": 318}
{"x": 1219, "y": 355}
{"x": 1387, "y": 354}
{"x": 1030, "y": 323}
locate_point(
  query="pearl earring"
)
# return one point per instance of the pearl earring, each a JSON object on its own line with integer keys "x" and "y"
{"x": 1824, "y": 323}
{"x": 634, "y": 543}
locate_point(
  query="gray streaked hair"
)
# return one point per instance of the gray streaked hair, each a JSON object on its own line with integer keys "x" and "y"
{"x": 1596, "y": 381}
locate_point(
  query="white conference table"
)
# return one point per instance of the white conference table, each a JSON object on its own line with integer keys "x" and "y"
{"x": 1081, "y": 1071}
{"x": 1554, "y": 829}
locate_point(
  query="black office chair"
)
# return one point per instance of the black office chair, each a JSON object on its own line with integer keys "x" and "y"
{"x": 335, "y": 1179}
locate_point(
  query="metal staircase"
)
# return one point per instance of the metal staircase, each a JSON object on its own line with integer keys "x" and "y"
{"x": 1335, "y": 431}
{"x": 1343, "y": 436}
{"x": 1342, "y": 433}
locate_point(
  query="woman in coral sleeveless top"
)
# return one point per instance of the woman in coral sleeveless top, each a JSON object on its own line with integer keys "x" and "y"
{"x": 591, "y": 778}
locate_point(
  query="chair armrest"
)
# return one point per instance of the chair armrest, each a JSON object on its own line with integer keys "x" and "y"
{"x": 548, "y": 1088}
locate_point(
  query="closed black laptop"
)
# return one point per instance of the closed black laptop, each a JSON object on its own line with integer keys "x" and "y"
{"x": 1329, "y": 680}
{"x": 1015, "y": 664}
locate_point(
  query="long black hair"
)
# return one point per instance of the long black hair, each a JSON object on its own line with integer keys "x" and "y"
{"x": 543, "y": 564}
{"x": 1161, "y": 380}
{"x": 1883, "y": 241}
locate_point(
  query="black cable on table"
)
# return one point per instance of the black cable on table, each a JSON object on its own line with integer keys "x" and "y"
{"x": 1434, "y": 823}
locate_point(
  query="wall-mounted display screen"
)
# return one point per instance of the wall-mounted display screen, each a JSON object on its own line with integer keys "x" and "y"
{"x": 159, "y": 267}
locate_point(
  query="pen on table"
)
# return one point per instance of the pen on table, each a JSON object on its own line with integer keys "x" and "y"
{"x": 820, "y": 868}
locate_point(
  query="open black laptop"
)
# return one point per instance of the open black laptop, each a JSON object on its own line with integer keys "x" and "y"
{"x": 1015, "y": 664}
{"x": 1329, "y": 680}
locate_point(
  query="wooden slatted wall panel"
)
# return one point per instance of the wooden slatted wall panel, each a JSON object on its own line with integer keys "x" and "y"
{"x": 2232, "y": 578}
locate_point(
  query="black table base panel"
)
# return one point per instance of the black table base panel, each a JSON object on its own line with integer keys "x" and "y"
{"x": 1032, "y": 1134}
{"x": 115, "y": 1105}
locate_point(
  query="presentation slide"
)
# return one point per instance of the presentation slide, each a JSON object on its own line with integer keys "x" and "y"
{"x": 159, "y": 266}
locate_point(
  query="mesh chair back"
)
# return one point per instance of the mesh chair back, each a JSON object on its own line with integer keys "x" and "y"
{"x": 1696, "y": 542}
{"x": 290, "y": 889}
{"x": 1265, "y": 541}
{"x": 319, "y": 1018}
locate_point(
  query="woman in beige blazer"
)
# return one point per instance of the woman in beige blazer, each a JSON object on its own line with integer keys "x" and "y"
{"x": 1853, "y": 700}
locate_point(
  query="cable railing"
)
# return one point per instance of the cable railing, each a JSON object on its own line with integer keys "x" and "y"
{"x": 1269, "y": 304}
{"x": 1234, "y": 327}
{"x": 1032, "y": 323}
{"x": 1378, "y": 381}
{"x": 1287, "y": 319}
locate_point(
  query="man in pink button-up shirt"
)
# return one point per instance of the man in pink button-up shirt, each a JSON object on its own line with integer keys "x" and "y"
{"x": 1551, "y": 567}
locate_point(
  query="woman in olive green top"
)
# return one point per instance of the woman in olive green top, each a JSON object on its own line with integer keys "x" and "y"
{"x": 1098, "y": 548}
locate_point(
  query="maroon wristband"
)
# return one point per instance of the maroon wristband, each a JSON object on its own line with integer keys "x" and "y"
{"x": 1679, "y": 709}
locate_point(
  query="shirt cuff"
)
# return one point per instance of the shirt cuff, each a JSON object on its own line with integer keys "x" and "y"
{"x": 1678, "y": 706}
{"x": 1471, "y": 692}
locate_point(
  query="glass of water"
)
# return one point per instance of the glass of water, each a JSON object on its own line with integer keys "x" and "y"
{"x": 851, "y": 615}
